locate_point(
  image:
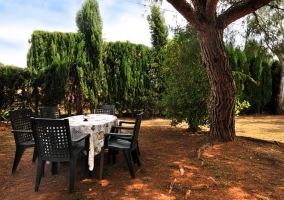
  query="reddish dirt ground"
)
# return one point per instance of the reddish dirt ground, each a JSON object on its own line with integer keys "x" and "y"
{"x": 174, "y": 165}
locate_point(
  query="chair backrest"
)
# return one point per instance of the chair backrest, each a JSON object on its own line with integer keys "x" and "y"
{"x": 140, "y": 111}
{"x": 105, "y": 109}
{"x": 134, "y": 141}
{"x": 20, "y": 120}
{"x": 50, "y": 112}
{"x": 52, "y": 138}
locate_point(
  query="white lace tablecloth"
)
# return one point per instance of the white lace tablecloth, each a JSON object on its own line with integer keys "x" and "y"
{"x": 96, "y": 126}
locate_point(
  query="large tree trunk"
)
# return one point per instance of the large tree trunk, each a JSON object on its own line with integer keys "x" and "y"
{"x": 223, "y": 88}
{"x": 281, "y": 87}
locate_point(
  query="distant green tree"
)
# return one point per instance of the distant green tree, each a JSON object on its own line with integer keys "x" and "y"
{"x": 14, "y": 91}
{"x": 187, "y": 95}
{"x": 266, "y": 25}
{"x": 272, "y": 106}
{"x": 240, "y": 67}
{"x": 159, "y": 35}
{"x": 266, "y": 86}
{"x": 56, "y": 61}
{"x": 89, "y": 23}
{"x": 126, "y": 66}
{"x": 258, "y": 94}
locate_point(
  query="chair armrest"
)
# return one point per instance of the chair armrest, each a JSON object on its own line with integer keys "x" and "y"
{"x": 118, "y": 134}
{"x": 123, "y": 127}
{"x": 125, "y": 122}
{"x": 117, "y": 129}
{"x": 79, "y": 139}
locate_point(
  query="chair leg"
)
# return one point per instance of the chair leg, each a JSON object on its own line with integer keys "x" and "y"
{"x": 18, "y": 155}
{"x": 39, "y": 173}
{"x": 138, "y": 148}
{"x": 34, "y": 155}
{"x": 112, "y": 156}
{"x": 54, "y": 167}
{"x": 108, "y": 156}
{"x": 128, "y": 159}
{"x": 135, "y": 157}
{"x": 73, "y": 163}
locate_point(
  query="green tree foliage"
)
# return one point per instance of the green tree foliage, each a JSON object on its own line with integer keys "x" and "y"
{"x": 272, "y": 106}
{"x": 159, "y": 35}
{"x": 244, "y": 66}
{"x": 252, "y": 75}
{"x": 158, "y": 28}
{"x": 14, "y": 92}
{"x": 267, "y": 26}
{"x": 89, "y": 23}
{"x": 126, "y": 68}
{"x": 57, "y": 62}
{"x": 266, "y": 86}
{"x": 187, "y": 95}
{"x": 240, "y": 67}
{"x": 258, "y": 94}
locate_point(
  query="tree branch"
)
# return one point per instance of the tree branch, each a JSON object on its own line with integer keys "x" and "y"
{"x": 186, "y": 10}
{"x": 276, "y": 7}
{"x": 199, "y": 5}
{"x": 211, "y": 8}
{"x": 257, "y": 18}
{"x": 239, "y": 10}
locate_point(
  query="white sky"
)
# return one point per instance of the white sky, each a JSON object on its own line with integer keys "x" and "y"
{"x": 122, "y": 20}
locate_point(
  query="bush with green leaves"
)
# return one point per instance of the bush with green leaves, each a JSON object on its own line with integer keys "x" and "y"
{"x": 187, "y": 95}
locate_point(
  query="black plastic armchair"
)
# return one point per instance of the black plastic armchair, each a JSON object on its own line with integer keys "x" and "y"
{"x": 23, "y": 134}
{"x": 105, "y": 109}
{"x": 53, "y": 142}
{"x": 129, "y": 147}
{"x": 50, "y": 112}
{"x": 129, "y": 127}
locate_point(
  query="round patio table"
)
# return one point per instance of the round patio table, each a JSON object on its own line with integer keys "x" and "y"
{"x": 95, "y": 125}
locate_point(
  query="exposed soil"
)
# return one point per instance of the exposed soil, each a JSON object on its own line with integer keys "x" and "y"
{"x": 174, "y": 165}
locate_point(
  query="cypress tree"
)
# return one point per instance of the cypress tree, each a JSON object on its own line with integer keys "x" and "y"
{"x": 159, "y": 34}
{"x": 89, "y": 23}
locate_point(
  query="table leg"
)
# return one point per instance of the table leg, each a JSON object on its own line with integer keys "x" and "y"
{"x": 102, "y": 163}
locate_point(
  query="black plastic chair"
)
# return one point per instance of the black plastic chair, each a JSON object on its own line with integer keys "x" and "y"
{"x": 105, "y": 109}
{"x": 53, "y": 141}
{"x": 23, "y": 134}
{"x": 50, "y": 112}
{"x": 129, "y": 147}
{"x": 121, "y": 127}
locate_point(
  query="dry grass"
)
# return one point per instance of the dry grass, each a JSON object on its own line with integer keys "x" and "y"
{"x": 261, "y": 127}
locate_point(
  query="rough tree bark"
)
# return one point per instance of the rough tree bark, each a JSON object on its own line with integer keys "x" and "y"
{"x": 223, "y": 88}
{"x": 202, "y": 15}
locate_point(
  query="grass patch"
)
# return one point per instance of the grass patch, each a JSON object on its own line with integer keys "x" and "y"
{"x": 218, "y": 174}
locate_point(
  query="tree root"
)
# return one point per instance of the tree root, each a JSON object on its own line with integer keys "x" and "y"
{"x": 268, "y": 156}
{"x": 264, "y": 141}
{"x": 202, "y": 149}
